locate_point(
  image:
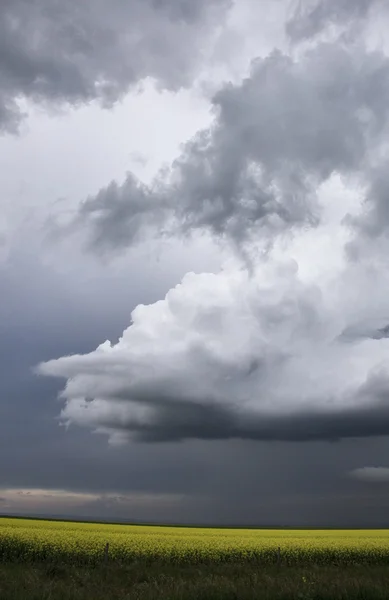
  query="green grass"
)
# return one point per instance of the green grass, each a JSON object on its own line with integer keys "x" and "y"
{"x": 138, "y": 581}
{"x": 65, "y": 560}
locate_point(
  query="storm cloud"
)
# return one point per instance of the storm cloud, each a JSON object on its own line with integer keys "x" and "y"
{"x": 228, "y": 394}
{"x": 266, "y": 353}
{"x": 263, "y": 354}
{"x": 70, "y": 53}
{"x": 234, "y": 355}
{"x": 276, "y": 137}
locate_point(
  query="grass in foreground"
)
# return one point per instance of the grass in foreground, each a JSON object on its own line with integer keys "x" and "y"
{"x": 208, "y": 582}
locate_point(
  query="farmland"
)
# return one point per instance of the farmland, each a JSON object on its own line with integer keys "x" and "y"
{"x": 84, "y": 543}
{"x": 151, "y": 561}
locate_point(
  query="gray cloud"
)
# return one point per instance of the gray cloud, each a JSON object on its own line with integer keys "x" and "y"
{"x": 263, "y": 160}
{"x": 311, "y": 18}
{"x": 351, "y": 20}
{"x": 121, "y": 215}
{"x": 74, "y": 52}
{"x": 371, "y": 474}
{"x": 372, "y": 221}
{"x": 175, "y": 421}
{"x": 366, "y": 330}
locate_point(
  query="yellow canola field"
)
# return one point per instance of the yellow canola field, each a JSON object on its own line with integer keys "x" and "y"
{"x": 81, "y": 543}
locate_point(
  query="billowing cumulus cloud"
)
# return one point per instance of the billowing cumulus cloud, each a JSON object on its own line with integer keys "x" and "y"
{"x": 74, "y": 52}
{"x": 276, "y": 137}
{"x": 371, "y": 474}
{"x": 234, "y": 355}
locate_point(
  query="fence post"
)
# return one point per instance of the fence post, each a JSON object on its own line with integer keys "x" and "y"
{"x": 279, "y": 556}
{"x": 106, "y": 553}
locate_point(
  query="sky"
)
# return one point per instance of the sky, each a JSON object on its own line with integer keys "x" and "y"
{"x": 194, "y": 272}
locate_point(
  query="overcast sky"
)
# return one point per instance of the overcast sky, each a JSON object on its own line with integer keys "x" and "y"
{"x": 194, "y": 271}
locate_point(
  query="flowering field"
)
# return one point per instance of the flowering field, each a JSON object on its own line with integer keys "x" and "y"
{"x": 84, "y": 543}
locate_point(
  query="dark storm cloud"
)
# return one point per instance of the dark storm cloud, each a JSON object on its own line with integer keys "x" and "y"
{"x": 223, "y": 482}
{"x": 310, "y": 18}
{"x": 40, "y": 318}
{"x": 275, "y": 138}
{"x": 198, "y": 421}
{"x": 75, "y": 51}
{"x": 48, "y": 311}
{"x": 184, "y": 419}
